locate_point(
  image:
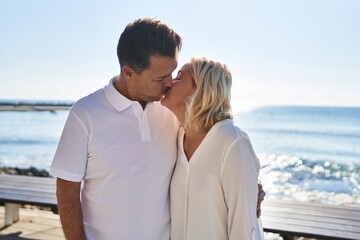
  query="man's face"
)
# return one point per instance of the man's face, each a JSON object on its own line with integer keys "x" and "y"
{"x": 153, "y": 83}
{"x": 182, "y": 88}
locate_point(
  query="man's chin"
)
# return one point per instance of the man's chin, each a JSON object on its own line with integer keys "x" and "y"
{"x": 158, "y": 98}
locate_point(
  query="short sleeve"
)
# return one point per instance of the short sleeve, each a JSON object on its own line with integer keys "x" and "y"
{"x": 70, "y": 159}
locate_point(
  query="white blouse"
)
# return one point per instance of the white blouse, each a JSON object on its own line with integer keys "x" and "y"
{"x": 214, "y": 195}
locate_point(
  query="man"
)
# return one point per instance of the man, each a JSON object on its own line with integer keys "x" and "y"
{"x": 118, "y": 146}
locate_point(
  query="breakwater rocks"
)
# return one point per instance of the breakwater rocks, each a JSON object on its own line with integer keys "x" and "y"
{"x": 31, "y": 171}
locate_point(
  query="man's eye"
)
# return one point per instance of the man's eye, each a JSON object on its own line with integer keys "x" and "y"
{"x": 162, "y": 78}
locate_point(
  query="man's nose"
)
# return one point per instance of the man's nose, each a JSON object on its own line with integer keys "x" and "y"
{"x": 168, "y": 82}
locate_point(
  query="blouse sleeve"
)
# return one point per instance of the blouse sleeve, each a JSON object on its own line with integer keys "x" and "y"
{"x": 239, "y": 178}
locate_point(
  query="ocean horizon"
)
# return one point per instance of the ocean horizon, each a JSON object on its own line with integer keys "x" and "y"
{"x": 306, "y": 153}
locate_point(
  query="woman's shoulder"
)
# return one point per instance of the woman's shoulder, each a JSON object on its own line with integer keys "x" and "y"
{"x": 230, "y": 130}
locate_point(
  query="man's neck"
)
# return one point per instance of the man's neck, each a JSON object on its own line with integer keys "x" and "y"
{"x": 143, "y": 104}
{"x": 121, "y": 87}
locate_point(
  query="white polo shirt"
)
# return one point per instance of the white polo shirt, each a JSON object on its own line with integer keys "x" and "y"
{"x": 213, "y": 196}
{"x": 125, "y": 156}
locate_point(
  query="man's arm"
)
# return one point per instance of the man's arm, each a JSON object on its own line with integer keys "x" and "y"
{"x": 69, "y": 205}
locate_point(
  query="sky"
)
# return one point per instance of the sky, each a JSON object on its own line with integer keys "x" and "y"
{"x": 280, "y": 52}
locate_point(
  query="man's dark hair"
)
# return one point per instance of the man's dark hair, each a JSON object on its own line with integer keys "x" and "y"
{"x": 145, "y": 38}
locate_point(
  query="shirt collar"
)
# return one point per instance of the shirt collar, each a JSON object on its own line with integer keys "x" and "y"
{"x": 117, "y": 100}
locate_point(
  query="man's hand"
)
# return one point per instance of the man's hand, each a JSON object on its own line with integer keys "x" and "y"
{"x": 261, "y": 195}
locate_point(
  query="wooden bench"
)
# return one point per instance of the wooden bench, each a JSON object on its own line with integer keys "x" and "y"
{"x": 314, "y": 220}
{"x": 16, "y": 190}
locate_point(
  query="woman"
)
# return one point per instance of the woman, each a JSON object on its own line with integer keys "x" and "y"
{"x": 214, "y": 185}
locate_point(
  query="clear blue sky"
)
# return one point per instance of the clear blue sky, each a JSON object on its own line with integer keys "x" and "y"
{"x": 280, "y": 52}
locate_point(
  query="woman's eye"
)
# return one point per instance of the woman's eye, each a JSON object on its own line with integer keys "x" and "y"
{"x": 179, "y": 75}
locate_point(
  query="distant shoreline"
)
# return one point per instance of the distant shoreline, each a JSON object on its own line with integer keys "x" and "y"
{"x": 64, "y": 105}
{"x": 34, "y": 106}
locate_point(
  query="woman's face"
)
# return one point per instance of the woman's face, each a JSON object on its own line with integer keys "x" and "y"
{"x": 181, "y": 89}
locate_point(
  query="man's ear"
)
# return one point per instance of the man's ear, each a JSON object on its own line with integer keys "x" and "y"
{"x": 127, "y": 71}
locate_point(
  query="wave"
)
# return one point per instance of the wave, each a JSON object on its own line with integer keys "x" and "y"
{"x": 291, "y": 177}
{"x": 351, "y": 134}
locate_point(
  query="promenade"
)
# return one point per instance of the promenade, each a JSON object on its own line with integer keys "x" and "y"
{"x": 45, "y": 225}
{"x": 33, "y": 224}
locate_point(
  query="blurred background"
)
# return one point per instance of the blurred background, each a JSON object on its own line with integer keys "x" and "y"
{"x": 295, "y": 67}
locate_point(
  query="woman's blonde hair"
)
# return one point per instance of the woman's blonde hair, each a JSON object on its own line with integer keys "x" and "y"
{"x": 210, "y": 102}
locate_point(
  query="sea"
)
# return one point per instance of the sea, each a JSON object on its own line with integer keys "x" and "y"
{"x": 306, "y": 153}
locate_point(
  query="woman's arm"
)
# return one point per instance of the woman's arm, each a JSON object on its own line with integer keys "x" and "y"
{"x": 240, "y": 185}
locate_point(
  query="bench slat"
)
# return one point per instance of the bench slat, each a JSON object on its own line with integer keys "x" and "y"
{"x": 16, "y": 178}
{"x": 310, "y": 206}
{"x": 310, "y": 231}
{"x": 311, "y": 219}
{"x": 32, "y": 188}
{"x": 344, "y": 226}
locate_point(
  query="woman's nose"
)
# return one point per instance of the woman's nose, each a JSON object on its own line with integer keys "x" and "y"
{"x": 168, "y": 82}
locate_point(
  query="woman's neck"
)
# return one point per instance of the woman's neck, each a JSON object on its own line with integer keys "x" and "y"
{"x": 192, "y": 140}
